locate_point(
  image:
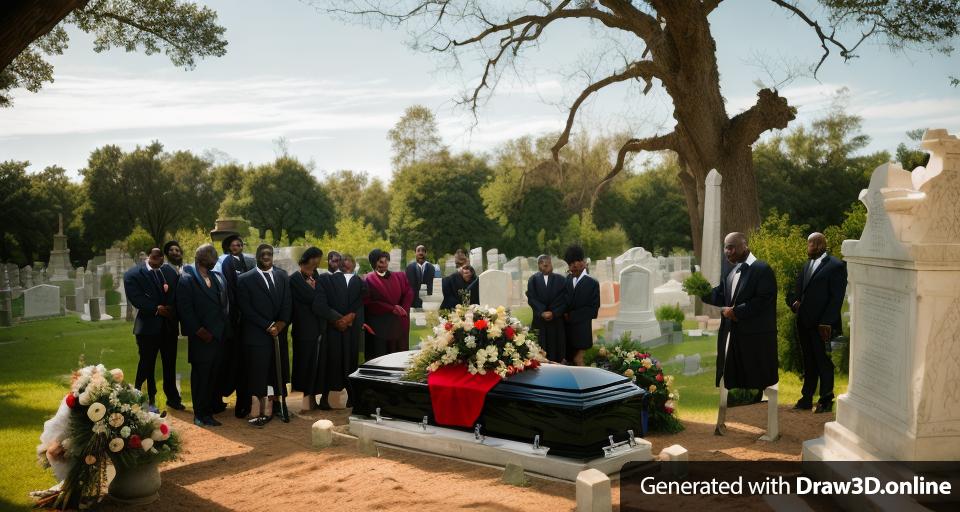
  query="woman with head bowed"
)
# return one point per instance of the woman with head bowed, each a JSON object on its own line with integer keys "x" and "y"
{"x": 307, "y": 328}
{"x": 461, "y": 287}
{"x": 386, "y": 308}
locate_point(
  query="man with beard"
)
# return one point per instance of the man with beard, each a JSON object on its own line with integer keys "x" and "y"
{"x": 203, "y": 306}
{"x": 232, "y": 265}
{"x": 583, "y": 304}
{"x": 340, "y": 302}
{"x": 420, "y": 272}
{"x": 547, "y": 296}
{"x": 265, "y": 301}
{"x": 174, "y": 255}
{"x": 152, "y": 288}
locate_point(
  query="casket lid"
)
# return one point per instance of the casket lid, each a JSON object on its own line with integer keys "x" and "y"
{"x": 552, "y": 377}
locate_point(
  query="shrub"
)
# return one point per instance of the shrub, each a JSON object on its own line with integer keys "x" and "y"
{"x": 671, "y": 313}
{"x": 696, "y": 285}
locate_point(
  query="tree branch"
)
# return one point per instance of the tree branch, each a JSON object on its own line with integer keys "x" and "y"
{"x": 648, "y": 70}
{"x": 825, "y": 40}
{"x": 655, "y": 143}
{"x": 770, "y": 111}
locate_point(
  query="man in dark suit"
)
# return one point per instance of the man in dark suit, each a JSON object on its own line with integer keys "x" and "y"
{"x": 817, "y": 299}
{"x": 231, "y": 378}
{"x": 547, "y": 295}
{"x": 747, "y": 341}
{"x": 151, "y": 288}
{"x": 265, "y": 301}
{"x": 339, "y": 301}
{"x": 204, "y": 311}
{"x": 174, "y": 254}
{"x": 420, "y": 272}
{"x": 583, "y": 304}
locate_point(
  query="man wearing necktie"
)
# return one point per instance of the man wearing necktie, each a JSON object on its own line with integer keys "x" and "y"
{"x": 263, "y": 294}
{"x": 747, "y": 341}
{"x": 151, "y": 288}
{"x": 817, "y": 299}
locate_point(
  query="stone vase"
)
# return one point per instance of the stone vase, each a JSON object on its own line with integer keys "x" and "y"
{"x": 137, "y": 485}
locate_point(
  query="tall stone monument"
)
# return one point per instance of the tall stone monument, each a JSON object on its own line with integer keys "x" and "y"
{"x": 903, "y": 399}
{"x": 495, "y": 288}
{"x": 59, "y": 264}
{"x": 476, "y": 259}
{"x": 711, "y": 248}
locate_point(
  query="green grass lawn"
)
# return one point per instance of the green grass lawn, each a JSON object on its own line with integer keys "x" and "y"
{"x": 37, "y": 357}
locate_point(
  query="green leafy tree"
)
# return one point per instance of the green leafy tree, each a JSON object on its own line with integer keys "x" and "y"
{"x": 353, "y": 236}
{"x": 196, "y": 184}
{"x": 438, "y": 204}
{"x": 415, "y": 137}
{"x": 355, "y": 195}
{"x": 597, "y": 243}
{"x": 911, "y": 156}
{"x": 283, "y": 197}
{"x": 809, "y": 171}
{"x": 16, "y": 209}
{"x": 30, "y": 31}
{"x": 140, "y": 240}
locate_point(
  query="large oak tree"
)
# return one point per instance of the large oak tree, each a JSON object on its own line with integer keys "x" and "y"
{"x": 679, "y": 55}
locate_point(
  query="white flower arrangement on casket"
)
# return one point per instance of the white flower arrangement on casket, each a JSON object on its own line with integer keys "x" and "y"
{"x": 101, "y": 419}
{"x": 483, "y": 338}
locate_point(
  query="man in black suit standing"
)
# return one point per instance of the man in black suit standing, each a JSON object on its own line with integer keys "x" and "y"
{"x": 747, "y": 341}
{"x": 547, "y": 296}
{"x": 583, "y": 304}
{"x": 817, "y": 299}
{"x": 174, "y": 254}
{"x": 204, "y": 311}
{"x": 265, "y": 301}
{"x": 420, "y": 272}
{"x": 151, "y": 288}
{"x": 339, "y": 301}
{"x": 231, "y": 378}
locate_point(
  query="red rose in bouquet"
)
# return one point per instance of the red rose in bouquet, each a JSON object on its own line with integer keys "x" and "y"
{"x": 164, "y": 429}
{"x": 659, "y": 377}
{"x": 71, "y": 400}
{"x": 448, "y": 326}
{"x": 480, "y": 324}
{"x": 509, "y": 333}
{"x": 134, "y": 441}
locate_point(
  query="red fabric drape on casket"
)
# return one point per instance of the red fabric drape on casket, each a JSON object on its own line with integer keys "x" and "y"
{"x": 457, "y": 396}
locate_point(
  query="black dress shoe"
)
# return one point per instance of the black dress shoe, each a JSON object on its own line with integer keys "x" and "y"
{"x": 259, "y": 421}
{"x": 801, "y": 405}
{"x": 176, "y": 405}
{"x": 219, "y": 407}
{"x": 241, "y": 412}
{"x": 324, "y": 405}
{"x": 210, "y": 421}
{"x": 823, "y": 407}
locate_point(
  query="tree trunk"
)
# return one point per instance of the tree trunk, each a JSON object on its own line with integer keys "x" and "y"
{"x": 24, "y": 21}
{"x": 739, "y": 203}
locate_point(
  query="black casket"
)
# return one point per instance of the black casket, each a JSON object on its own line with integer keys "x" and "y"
{"x": 574, "y": 410}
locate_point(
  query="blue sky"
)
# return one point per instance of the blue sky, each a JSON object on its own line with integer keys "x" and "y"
{"x": 333, "y": 89}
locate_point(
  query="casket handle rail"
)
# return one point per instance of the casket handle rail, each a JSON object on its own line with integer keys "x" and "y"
{"x": 616, "y": 448}
{"x": 476, "y": 433}
{"x": 424, "y": 423}
{"x": 376, "y": 415}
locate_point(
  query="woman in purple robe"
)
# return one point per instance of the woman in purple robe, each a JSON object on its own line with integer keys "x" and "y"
{"x": 386, "y": 308}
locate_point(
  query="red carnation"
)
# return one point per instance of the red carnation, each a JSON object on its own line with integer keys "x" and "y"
{"x": 71, "y": 400}
{"x": 134, "y": 441}
{"x": 164, "y": 429}
{"x": 480, "y": 324}
{"x": 448, "y": 326}
{"x": 509, "y": 332}
{"x": 659, "y": 377}
{"x": 668, "y": 410}
{"x": 641, "y": 369}
{"x": 534, "y": 363}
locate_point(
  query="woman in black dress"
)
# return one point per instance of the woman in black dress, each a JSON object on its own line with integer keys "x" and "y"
{"x": 307, "y": 328}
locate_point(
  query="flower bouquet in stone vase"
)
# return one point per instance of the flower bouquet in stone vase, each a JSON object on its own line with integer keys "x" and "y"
{"x": 104, "y": 420}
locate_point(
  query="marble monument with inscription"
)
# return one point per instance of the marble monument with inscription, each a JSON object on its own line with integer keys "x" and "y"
{"x": 903, "y": 399}
{"x": 636, "y": 305}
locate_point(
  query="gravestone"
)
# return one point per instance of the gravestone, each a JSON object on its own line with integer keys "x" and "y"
{"x": 26, "y": 277}
{"x": 513, "y": 267}
{"x": 559, "y": 266}
{"x": 609, "y": 307}
{"x": 691, "y": 365}
{"x": 60, "y": 255}
{"x": 494, "y": 288}
{"x": 432, "y": 302}
{"x": 671, "y": 293}
{"x": 396, "y": 255}
{"x": 636, "y": 305}
{"x": 493, "y": 259}
{"x": 711, "y": 249}
{"x": 450, "y": 266}
{"x": 603, "y": 272}
{"x": 904, "y": 284}
{"x": 476, "y": 259}
{"x": 41, "y": 301}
